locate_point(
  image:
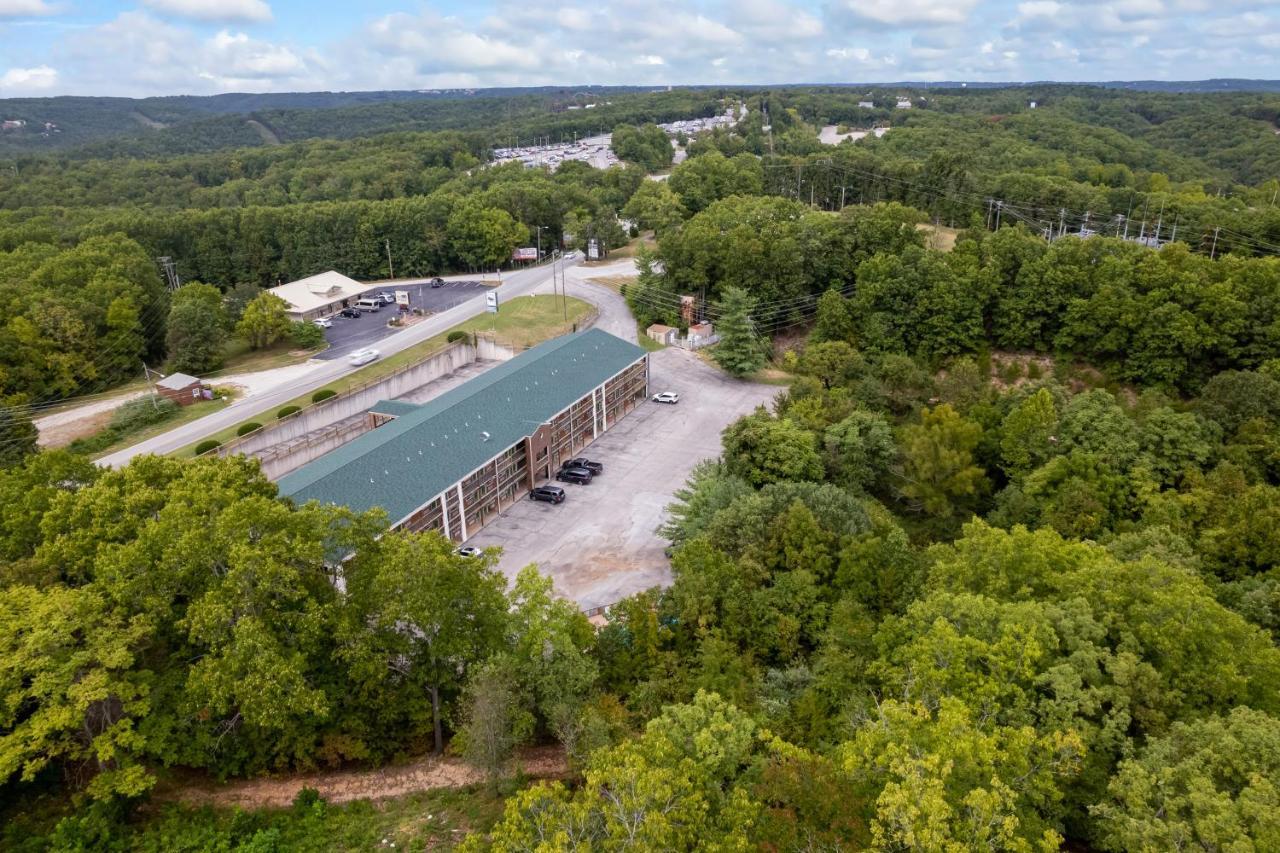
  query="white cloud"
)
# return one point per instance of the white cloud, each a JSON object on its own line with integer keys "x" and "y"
{"x": 214, "y": 10}
{"x": 24, "y": 8}
{"x": 650, "y": 59}
{"x": 1039, "y": 9}
{"x": 775, "y": 20}
{"x": 38, "y": 79}
{"x": 906, "y": 13}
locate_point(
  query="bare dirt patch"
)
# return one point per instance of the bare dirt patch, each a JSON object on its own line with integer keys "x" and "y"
{"x": 1015, "y": 369}
{"x": 342, "y": 786}
{"x": 62, "y": 434}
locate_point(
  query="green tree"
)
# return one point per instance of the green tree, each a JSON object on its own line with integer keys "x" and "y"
{"x": 834, "y": 321}
{"x": 1028, "y": 433}
{"x": 646, "y": 145}
{"x": 859, "y": 450}
{"x": 655, "y": 207}
{"x": 18, "y": 434}
{"x": 762, "y": 449}
{"x": 830, "y": 362}
{"x": 197, "y": 329}
{"x": 426, "y": 614}
{"x": 493, "y": 722}
{"x": 71, "y": 694}
{"x": 941, "y": 782}
{"x": 939, "y": 476}
{"x": 679, "y": 786}
{"x": 1208, "y": 784}
{"x": 264, "y": 321}
{"x": 483, "y": 237}
{"x": 740, "y": 351}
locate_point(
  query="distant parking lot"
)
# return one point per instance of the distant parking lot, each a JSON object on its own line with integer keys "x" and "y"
{"x": 601, "y": 544}
{"x": 347, "y": 335}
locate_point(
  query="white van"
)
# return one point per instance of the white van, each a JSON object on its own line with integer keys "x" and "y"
{"x": 368, "y": 303}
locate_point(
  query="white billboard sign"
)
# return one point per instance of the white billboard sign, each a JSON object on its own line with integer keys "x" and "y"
{"x": 491, "y": 302}
{"x": 402, "y": 297}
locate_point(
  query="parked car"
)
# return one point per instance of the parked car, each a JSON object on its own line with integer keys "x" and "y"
{"x": 550, "y": 494}
{"x": 470, "y": 551}
{"x": 323, "y": 322}
{"x": 362, "y": 356}
{"x": 386, "y": 297}
{"x": 437, "y": 282}
{"x": 349, "y": 312}
{"x": 667, "y": 397}
{"x": 368, "y": 304}
{"x": 584, "y": 462}
{"x": 581, "y": 476}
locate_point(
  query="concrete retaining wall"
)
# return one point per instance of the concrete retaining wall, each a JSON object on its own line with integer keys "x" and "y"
{"x": 359, "y": 399}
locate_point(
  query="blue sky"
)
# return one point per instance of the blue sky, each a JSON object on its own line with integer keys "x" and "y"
{"x": 153, "y": 47}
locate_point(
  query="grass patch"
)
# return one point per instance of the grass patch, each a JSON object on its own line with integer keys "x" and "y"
{"x": 522, "y": 322}
{"x": 115, "y": 437}
{"x": 647, "y": 343}
{"x": 238, "y": 358}
{"x": 431, "y": 820}
{"x": 626, "y": 250}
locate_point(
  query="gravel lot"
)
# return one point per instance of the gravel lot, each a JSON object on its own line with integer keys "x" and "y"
{"x": 601, "y": 544}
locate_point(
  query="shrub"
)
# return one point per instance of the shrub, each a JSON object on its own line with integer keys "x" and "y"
{"x": 458, "y": 335}
{"x": 208, "y": 444}
{"x": 142, "y": 412}
{"x": 245, "y": 429}
{"x": 323, "y": 394}
{"x": 286, "y": 411}
{"x": 306, "y": 335}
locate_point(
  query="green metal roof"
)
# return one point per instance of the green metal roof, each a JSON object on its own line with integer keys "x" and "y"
{"x": 401, "y": 465}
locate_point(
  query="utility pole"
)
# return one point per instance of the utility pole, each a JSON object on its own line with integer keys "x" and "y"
{"x": 1213, "y": 250}
{"x": 1174, "y": 238}
{"x": 999, "y": 208}
{"x": 989, "y": 201}
{"x": 1085, "y": 226}
{"x": 391, "y": 273}
{"x": 799, "y": 166}
{"x": 1159, "y": 222}
{"x": 146, "y": 373}
{"x": 842, "y": 189}
{"x": 1062, "y": 221}
{"x": 1126, "y": 224}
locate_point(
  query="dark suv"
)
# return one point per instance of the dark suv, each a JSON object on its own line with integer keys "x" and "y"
{"x": 584, "y": 462}
{"x": 581, "y": 476}
{"x": 437, "y": 282}
{"x": 550, "y": 494}
{"x": 349, "y": 312}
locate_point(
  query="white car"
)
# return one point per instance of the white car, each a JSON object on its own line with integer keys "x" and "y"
{"x": 323, "y": 322}
{"x": 362, "y": 356}
{"x": 387, "y": 297}
{"x": 470, "y": 551}
{"x": 667, "y": 397}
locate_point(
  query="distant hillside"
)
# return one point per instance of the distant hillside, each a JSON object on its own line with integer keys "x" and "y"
{"x": 183, "y": 124}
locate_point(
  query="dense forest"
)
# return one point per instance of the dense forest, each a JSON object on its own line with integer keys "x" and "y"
{"x": 998, "y": 569}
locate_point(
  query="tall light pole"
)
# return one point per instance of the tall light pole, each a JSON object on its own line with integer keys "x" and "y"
{"x": 539, "y": 227}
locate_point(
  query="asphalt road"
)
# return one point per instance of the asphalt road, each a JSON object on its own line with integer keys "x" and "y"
{"x": 513, "y": 284}
{"x": 349, "y": 334}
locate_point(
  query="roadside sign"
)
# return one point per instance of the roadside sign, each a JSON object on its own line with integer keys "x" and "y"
{"x": 491, "y": 302}
{"x": 402, "y": 297}
{"x": 593, "y": 249}
{"x": 529, "y": 253}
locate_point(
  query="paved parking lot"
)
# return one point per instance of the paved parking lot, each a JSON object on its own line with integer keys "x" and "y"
{"x": 601, "y": 544}
{"x": 347, "y": 335}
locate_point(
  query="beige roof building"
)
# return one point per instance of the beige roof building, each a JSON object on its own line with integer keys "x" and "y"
{"x": 318, "y": 295}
